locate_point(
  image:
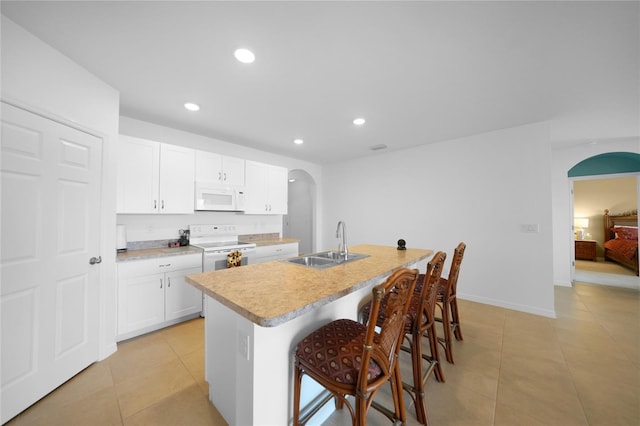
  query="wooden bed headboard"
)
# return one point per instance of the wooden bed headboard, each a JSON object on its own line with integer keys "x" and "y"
{"x": 624, "y": 219}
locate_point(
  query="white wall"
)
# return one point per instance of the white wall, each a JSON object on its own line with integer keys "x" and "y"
{"x": 39, "y": 78}
{"x": 158, "y": 227}
{"x": 563, "y": 159}
{"x": 478, "y": 189}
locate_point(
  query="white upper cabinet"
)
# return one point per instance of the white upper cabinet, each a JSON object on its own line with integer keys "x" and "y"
{"x": 266, "y": 188}
{"x": 177, "y": 173}
{"x": 154, "y": 177}
{"x": 219, "y": 169}
{"x": 278, "y": 178}
{"x": 138, "y": 175}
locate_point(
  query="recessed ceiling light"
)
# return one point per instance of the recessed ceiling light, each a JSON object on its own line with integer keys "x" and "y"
{"x": 298, "y": 141}
{"x": 191, "y": 106}
{"x": 292, "y": 180}
{"x": 245, "y": 56}
{"x": 359, "y": 121}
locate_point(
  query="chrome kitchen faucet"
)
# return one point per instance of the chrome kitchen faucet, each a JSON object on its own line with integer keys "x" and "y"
{"x": 343, "y": 249}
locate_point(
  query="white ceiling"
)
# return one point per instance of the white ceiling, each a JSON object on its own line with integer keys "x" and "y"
{"x": 419, "y": 72}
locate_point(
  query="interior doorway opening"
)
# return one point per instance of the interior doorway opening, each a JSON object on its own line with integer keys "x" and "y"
{"x": 606, "y": 181}
{"x": 299, "y": 222}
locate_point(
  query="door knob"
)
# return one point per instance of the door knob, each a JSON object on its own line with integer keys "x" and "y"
{"x": 95, "y": 260}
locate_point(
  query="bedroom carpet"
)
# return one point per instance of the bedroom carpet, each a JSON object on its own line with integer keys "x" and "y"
{"x": 513, "y": 368}
{"x": 607, "y": 273}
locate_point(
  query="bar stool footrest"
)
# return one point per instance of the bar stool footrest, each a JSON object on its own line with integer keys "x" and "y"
{"x": 315, "y": 405}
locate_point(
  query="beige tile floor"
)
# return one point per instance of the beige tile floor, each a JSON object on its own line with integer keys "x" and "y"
{"x": 513, "y": 368}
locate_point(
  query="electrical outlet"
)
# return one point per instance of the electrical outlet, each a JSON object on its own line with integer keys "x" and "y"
{"x": 243, "y": 346}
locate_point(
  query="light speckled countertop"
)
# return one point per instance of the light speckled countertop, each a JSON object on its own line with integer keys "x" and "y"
{"x": 149, "y": 253}
{"x": 272, "y": 293}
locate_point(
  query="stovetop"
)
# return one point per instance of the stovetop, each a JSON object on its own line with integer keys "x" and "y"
{"x": 217, "y": 237}
{"x": 222, "y": 245}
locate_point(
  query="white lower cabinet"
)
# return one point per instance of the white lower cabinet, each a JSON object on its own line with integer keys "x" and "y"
{"x": 153, "y": 293}
{"x": 274, "y": 252}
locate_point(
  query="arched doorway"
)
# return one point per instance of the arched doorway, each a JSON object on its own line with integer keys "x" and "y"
{"x": 299, "y": 222}
{"x": 607, "y": 163}
{"x": 605, "y": 181}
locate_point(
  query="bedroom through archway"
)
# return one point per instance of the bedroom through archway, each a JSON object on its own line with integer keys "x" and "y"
{"x": 606, "y": 181}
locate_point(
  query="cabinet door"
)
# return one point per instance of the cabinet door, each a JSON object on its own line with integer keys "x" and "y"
{"x": 278, "y": 190}
{"x": 209, "y": 167}
{"x": 177, "y": 178}
{"x": 140, "y": 302}
{"x": 256, "y": 188}
{"x": 181, "y": 298}
{"x": 232, "y": 171}
{"x": 137, "y": 175}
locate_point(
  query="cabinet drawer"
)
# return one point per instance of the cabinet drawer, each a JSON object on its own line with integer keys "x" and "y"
{"x": 156, "y": 265}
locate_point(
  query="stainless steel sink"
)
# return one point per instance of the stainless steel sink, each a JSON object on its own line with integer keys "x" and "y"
{"x": 325, "y": 259}
{"x": 314, "y": 262}
{"x": 339, "y": 257}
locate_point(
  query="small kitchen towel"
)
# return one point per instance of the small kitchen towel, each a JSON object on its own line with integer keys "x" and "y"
{"x": 234, "y": 259}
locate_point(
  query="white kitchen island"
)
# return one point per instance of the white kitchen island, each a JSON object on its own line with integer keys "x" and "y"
{"x": 257, "y": 313}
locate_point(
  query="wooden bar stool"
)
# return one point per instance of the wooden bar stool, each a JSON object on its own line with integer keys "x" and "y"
{"x": 448, "y": 303}
{"x": 420, "y": 323}
{"x": 349, "y": 358}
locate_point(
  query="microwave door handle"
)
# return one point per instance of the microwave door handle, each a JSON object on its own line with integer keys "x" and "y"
{"x": 239, "y": 200}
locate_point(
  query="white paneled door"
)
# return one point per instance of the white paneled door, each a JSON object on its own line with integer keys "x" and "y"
{"x": 49, "y": 295}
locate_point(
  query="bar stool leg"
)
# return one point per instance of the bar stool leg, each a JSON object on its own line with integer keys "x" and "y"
{"x": 418, "y": 382}
{"x": 435, "y": 355}
{"x": 455, "y": 319}
{"x": 297, "y": 384}
{"x": 398, "y": 396}
{"x": 446, "y": 341}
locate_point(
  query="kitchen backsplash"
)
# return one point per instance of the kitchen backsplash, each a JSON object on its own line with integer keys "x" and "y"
{"x": 258, "y": 237}
{"x": 140, "y": 245}
{"x": 141, "y": 228}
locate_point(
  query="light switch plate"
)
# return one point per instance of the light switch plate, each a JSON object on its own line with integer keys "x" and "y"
{"x": 530, "y": 228}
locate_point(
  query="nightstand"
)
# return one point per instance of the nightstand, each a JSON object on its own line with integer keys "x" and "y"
{"x": 586, "y": 250}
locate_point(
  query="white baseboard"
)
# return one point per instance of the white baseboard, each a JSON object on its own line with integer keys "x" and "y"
{"x": 107, "y": 351}
{"x": 508, "y": 305}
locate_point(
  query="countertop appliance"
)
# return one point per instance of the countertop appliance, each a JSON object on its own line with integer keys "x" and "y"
{"x": 217, "y": 242}
{"x": 121, "y": 238}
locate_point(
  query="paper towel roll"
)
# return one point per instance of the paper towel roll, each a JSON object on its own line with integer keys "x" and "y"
{"x": 121, "y": 238}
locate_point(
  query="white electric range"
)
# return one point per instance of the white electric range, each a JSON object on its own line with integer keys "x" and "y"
{"x": 217, "y": 242}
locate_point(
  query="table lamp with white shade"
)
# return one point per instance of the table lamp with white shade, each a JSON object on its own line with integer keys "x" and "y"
{"x": 579, "y": 224}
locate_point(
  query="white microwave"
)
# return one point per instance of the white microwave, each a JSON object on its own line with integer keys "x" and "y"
{"x": 211, "y": 197}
